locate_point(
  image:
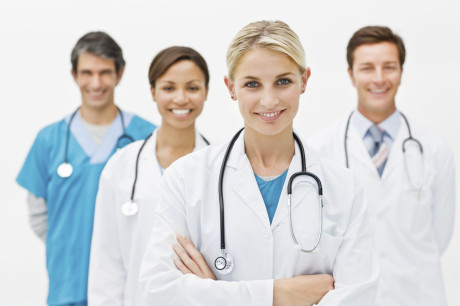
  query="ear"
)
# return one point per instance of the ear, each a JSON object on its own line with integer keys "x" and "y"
{"x": 206, "y": 93}
{"x": 152, "y": 90}
{"x": 350, "y": 73}
{"x": 305, "y": 77}
{"x": 231, "y": 87}
{"x": 120, "y": 74}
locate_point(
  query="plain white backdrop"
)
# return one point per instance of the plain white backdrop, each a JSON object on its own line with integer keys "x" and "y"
{"x": 36, "y": 87}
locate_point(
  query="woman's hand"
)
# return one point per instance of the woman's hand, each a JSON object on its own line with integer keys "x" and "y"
{"x": 190, "y": 260}
{"x": 302, "y": 289}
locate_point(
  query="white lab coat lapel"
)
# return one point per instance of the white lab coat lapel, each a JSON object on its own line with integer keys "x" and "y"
{"x": 358, "y": 156}
{"x": 396, "y": 155}
{"x": 244, "y": 183}
{"x": 199, "y": 141}
{"x": 149, "y": 168}
{"x": 295, "y": 166}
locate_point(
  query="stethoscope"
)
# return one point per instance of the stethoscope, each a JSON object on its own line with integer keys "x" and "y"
{"x": 406, "y": 141}
{"x": 65, "y": 169}
{"x": 224, "y": 263}
{"x": 131, "y": 208}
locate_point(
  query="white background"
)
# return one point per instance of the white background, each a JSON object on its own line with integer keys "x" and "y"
{"x": 36, "y": 88}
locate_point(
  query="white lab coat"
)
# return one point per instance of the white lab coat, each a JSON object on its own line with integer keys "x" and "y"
{"x": 262, "y": 251}
{"x": 119, "y": 241}
{"x": 410, "y": 233}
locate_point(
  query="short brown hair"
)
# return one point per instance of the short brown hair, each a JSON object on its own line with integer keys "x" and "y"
{"x": 374, "y": 35}
{"x": 99, "y": 44}
{"x": 169, "y": 56}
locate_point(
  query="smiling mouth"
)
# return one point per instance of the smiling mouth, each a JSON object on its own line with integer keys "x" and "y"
{"x": 378, "y": 91}
{"x": 97, "y": 94}
{"x": 269, "y": 116}
{"x": 181, "y": 112}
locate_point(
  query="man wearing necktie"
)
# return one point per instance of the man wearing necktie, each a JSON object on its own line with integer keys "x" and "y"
{"x": 411, "y": 194}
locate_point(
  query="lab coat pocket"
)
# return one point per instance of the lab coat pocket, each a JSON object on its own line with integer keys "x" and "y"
{"x": 322, "y": 259}
{"x": 414, "y": 210}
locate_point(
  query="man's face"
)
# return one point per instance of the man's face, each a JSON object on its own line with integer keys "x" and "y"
{"x": 376, "y": 75}
{"x": 97, "y": 78}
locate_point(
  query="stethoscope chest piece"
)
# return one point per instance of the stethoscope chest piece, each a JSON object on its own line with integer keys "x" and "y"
{"x": 130, "y": 208}
{"x": 224, "y": 263}
{"x": 65, "y": 170}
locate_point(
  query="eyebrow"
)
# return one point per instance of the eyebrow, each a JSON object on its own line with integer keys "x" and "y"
{"x": 278, "y": 76}
{"x": 172, "y": 82}
{"x": 92, "y": 71}
{"x": 369, "y": 63}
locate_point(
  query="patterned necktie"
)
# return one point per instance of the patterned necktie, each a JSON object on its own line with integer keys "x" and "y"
{"x": 379, "y": 151}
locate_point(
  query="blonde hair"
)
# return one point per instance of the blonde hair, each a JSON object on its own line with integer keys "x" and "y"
{"x": 276, "y": 36}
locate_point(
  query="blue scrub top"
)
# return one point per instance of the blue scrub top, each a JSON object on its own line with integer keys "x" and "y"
{"x": 70, "y": 201}
{"x": 271, "y": 192}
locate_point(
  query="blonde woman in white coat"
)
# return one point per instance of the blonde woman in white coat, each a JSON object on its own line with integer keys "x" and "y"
{"x": 130, "y": 184}
{"x": 260, "y": 264}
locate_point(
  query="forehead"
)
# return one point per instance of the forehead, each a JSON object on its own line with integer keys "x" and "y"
{"x": 259, "y": 61}
{"x": 90, "y": 61}
{"x": 376, "y": 53}
{"x": 184, "y": 70}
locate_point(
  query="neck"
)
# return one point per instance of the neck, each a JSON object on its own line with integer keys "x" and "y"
{"x": 269, "y": 155}
{"x": 173, "y": 138}
{"x": 173, "y": 143}
{"x": 377, "y": 116}
{"x": 99, "y": 116}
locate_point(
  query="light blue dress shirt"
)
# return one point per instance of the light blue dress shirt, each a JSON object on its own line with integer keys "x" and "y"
{"x": 390, "y": 126}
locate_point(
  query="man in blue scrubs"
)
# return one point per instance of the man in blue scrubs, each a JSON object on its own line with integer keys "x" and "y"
{"x": 61, "y": 206}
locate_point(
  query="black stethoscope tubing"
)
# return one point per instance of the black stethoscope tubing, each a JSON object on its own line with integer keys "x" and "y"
{"x": 289, "y": 185}
{"x": 410, "y": 138}
{"x": 136, "y": 170}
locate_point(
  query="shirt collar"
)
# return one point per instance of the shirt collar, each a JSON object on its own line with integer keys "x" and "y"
{"x": 390, "y": 125}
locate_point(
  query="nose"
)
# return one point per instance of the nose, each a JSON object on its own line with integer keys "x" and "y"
{"x": 180, "y": 97}
{"x": 96, "y": 81}
{"x": 269, "y": 99}
{"x": 378, "y": 75}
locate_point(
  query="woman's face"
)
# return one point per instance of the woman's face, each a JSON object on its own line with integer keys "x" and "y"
{"x": 180, "y": 94}
{"x": 267, "y": 85}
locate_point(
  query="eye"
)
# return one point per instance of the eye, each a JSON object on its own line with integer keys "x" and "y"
{"x": 252, "y": 84}
{"x": 390, "y": 68}
{"x": 193, "y": 88}
{"x": 284, "y": 82}
{"x": 365, "y": 68}
{"x": 168, "y": 88}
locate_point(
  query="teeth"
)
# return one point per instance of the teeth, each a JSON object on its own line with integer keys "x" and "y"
{"x": 378, "y": 90}
{"x": 269, "y": 115}
{"x": 180, "y": 111}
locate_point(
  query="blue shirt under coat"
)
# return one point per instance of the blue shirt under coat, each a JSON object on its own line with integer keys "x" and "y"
{"x": 271, "y": 192}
